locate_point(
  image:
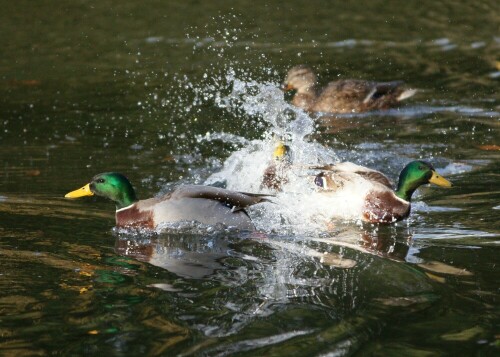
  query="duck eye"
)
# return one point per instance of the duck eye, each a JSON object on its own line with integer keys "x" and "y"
{"x": 421, "y": 167}
{"x": 101, "y": 180}
{"x": 320, "y": 181}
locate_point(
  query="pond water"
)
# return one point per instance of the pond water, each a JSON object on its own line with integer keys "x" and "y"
{"x": 180, "y": 92}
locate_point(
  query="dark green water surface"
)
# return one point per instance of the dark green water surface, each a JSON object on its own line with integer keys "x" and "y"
{"x": 135, "y": 86}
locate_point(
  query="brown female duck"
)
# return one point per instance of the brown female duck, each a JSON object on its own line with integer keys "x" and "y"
{"x": 343, "y": 96}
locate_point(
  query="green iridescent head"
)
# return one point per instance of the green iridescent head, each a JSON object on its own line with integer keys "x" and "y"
{"x": 111, "y": 185}
{"x": 416, "y": 174}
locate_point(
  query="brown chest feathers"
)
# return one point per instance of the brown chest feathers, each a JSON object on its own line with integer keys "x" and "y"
{"x": 384, "y": 207}
{"x": 133, "y": 217}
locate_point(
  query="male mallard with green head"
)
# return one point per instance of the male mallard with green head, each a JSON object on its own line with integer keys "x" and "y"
{"x": 343, "y": 96}
{"x": 204, "y": 204}
{"x": 372, "y": 191}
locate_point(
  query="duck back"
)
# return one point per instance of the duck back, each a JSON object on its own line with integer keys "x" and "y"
{"x": 353, "y": 96}
{"x": 210, "y": 212}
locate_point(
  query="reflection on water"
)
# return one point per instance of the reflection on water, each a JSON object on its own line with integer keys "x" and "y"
{"x": 255, "y": 277}
{"x": 281, "y": 270}
{"x": 191, "y": 257}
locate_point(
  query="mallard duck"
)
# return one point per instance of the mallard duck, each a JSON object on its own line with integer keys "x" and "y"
{"x": 379, "y": 203}
{"x": 343, "y": 96}
{"x": 275, "y": 175}
{"x": 204, "y": 204}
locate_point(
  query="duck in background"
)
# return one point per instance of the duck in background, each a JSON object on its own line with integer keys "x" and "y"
{"x": 203, "y": 204}
{"x": 343, "y": 96}
{"x": 378, "y": 202}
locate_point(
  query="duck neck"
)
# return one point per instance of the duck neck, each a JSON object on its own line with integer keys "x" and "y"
{"x": 405, "y": 192}
{"x": 305, "y": 98}
{"x": 407, "y": 186}
{"x": 125, "y": 200}
{"x": 309, "y": 91}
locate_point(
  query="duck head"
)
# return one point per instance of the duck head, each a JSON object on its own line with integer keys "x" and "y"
{"x": 416, "y": 174}
{"x": 281, "y": 152}
{"x": 300, "y": 78}
{"x": 111, "y": 185}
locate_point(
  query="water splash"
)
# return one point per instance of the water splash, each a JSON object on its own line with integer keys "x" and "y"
{"x": 299, "y": 208}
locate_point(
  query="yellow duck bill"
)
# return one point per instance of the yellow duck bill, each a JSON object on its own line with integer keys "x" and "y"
{"x": 439, "y": 180}
{"x": 81, "y": 192}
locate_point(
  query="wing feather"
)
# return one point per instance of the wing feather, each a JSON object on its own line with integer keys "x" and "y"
{"x": 235, "y": 199}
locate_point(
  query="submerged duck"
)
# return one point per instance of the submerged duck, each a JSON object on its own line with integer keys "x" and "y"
{"x": 378, "y": 202}
{"x": 204, "y": 204}
{"x": 343, "y": 96}
{"x": 276, "y": 174}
